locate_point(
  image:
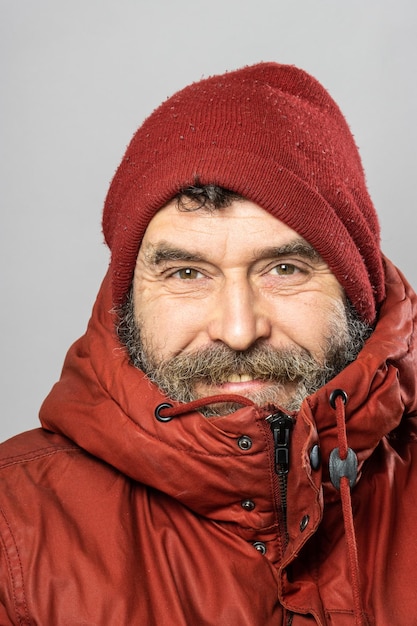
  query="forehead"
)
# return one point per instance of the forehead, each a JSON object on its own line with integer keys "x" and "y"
{"x": 239, "y": 217}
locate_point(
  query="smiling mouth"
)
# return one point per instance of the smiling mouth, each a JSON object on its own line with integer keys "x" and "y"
{"x": 239, "y": 378}
{"x": 235, "y": 379}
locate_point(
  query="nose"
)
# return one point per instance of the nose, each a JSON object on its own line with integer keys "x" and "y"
{"x": 237, "y": 318}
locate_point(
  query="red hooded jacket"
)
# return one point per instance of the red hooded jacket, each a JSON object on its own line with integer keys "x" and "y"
{"x": 111, "y": 516}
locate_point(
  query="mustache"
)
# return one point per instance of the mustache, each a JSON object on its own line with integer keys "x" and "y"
{"x": 216, "y": 364}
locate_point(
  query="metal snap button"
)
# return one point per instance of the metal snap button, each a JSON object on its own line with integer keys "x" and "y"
{"x": 315, "y": 457}
{"x": 244, "y": 443}
{"x": 260, "y": 546}
{"x": 248, "y": 505}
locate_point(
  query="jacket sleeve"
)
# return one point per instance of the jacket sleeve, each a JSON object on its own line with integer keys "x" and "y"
{"x": 10, "y": 584}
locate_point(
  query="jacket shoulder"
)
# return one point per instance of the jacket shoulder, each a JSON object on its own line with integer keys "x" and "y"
{"x": 31, "y": 445}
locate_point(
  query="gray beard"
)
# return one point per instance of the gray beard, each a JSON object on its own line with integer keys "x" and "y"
{"x": 214, "y": 365}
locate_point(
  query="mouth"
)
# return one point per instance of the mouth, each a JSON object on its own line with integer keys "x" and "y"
{"x": 241, "y": 384}
{"x": 239, "y": 378}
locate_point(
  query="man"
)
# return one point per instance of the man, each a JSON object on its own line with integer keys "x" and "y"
{"x": 233, "y": 439}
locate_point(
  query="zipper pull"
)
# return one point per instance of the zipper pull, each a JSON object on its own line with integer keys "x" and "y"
{"x": 281, "y": 425}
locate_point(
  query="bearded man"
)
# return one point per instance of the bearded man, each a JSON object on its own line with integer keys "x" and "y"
{"x": 233, "y": 439}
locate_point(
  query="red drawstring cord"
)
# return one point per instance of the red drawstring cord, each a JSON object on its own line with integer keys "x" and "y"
{"x": 339, "y": 403}
{"x": 345, "y": 486}
{"x": 168, "y": 410}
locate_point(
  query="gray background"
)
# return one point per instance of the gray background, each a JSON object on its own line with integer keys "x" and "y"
{"x": 77, "y": 78}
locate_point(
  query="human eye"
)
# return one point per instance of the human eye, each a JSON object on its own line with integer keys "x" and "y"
{"x": 187, "y": 273}
{"x": 286, "y": 269}
{"x": 287, "y": 274}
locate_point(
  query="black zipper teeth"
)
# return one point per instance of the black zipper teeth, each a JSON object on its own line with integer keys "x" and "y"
{"x": 281, "y": 425}
{"x": 283, "y": 491}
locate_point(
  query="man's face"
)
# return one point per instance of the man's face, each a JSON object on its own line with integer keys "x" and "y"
{"x": 220, "y": 294}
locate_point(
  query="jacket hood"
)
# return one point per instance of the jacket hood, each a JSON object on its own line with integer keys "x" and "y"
{"x": 107, "y": 407}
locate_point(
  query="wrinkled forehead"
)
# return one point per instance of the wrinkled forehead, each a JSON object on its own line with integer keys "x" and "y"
{"x": 200, "y": 231}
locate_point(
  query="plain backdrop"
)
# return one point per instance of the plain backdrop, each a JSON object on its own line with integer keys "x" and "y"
{"x": 77, "y": 77}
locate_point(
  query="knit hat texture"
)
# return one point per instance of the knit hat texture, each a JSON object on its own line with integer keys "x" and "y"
{"x": 272, "y": 134}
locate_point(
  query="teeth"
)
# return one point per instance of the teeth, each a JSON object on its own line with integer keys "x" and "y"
{"x": 239, "y": 378}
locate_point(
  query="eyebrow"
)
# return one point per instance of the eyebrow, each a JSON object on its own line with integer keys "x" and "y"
{"x": 163, "y": 251}
{"x": 299, "y": 247}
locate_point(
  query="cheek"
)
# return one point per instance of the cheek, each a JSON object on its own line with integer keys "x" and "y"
{"x": 307, "y": 321}
{"x": 167, "y": 325}
{"x": 328, "y": 320}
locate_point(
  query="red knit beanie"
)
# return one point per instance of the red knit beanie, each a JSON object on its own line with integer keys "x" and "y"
{"x": 272, "y": 134}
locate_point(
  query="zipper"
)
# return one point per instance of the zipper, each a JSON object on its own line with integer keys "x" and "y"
{"x": 281, "y": 426}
